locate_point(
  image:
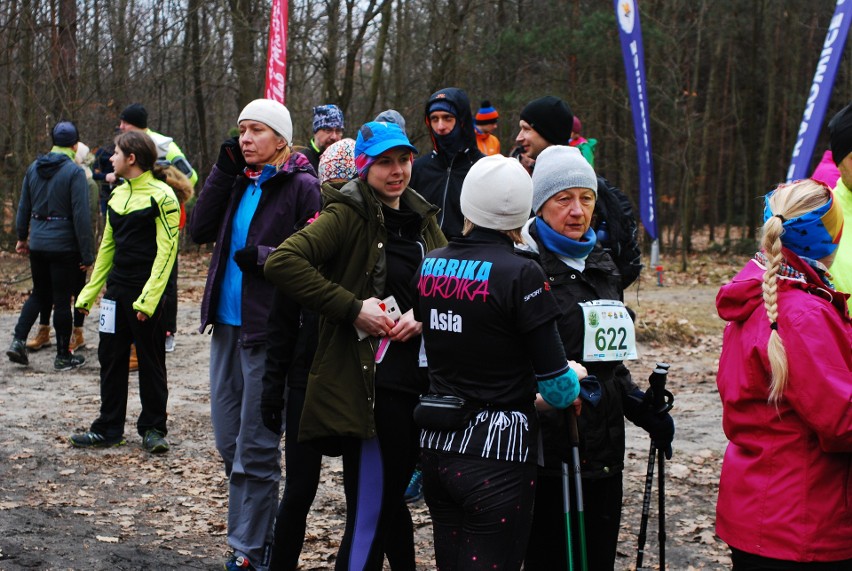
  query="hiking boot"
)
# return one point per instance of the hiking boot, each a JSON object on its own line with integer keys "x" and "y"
{"x": 41, "y": 339}
{"x": 238, "y": 563}
{"x": 133, "y": 363}
{"x": 77, "y": 341}
{"x": 95, "y": 440}
{"x": 170, "y": 342}
{"x": 68, "y": 362}
{"x": 17, "y": 352}
{"x": 155, "y": 442}
{"x": 414, "y": 491}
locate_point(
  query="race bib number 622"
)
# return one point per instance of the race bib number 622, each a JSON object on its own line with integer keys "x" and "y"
{"x": 609, "y": 334}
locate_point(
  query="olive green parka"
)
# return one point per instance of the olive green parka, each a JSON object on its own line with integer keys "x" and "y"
{"x": 330, "y": 266}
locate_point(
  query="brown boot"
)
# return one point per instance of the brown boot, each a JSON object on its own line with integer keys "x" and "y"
{"x": 42, "y": 338}
{"x": 77, "y": 341}
{"x": 134, "y": 362}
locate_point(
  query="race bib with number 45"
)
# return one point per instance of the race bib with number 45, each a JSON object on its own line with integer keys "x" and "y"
{"x": 609, "y": 334}
{"x": 107, "y": 319}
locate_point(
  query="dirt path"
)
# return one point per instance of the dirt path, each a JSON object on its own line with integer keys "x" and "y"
{"x": 62, "y": 508}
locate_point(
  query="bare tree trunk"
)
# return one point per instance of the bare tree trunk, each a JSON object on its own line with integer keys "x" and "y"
{"x": 378, "y": 65}
{"x": 243, "y": 14}
{"x": 194, "y": 13}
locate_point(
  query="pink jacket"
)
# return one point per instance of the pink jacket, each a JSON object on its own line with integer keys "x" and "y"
{"x": 786, "y": 485}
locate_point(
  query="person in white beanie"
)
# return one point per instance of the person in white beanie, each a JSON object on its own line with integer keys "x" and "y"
{"x": 489, "y": 326}
{"x": 579, "y": 271}
{"x": 256, "y": 195}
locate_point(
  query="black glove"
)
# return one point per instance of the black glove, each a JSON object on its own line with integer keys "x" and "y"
{"x": 660, "y": 426}
{"x": 246, "y": 259}
{"x": 272, "y": 413}
{"x": 231, "y": 159}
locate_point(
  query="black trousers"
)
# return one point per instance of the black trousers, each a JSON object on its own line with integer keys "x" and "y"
{"x": 113, "y": 354}
{"x": 301, "y": 480}
{"x": 42, "y": 308}
{"x": 743, "y": 561}
{"x": 481, "y": 510}
{"x": 602, "y": 515}
{"x": 56, "y": 276}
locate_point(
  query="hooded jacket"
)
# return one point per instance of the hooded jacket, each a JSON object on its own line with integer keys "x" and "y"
{"x": 438, "y": 177}
{"x": 329, "y": 267}
{"x": 841, "y": 269}
{"x": 53, "y": 213}
{"x": 287, "y": 200}
{"x": 786, "y": 485}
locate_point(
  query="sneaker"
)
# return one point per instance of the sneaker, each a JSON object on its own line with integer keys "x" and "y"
{"x": 155, "y": 442}
{"x": 95, "y": 440}
{"x": 414, "y": 491}
{"x": 238, "y": 563}
{"x": 68, "y": 362}
{"x": 17, "y": 352}
{"x": 170, "y": 343}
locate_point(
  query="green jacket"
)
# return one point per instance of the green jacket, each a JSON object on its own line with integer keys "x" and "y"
{"x": 330, "y": 266}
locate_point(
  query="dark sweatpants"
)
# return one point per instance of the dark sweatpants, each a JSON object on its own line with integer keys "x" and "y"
{"x": 113, "y": 355}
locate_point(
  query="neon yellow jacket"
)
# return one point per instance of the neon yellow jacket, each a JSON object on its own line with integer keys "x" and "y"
{"x": 136, "y": 194}
{"x": 841, "y": 269}
{"x": 166, "y": 147}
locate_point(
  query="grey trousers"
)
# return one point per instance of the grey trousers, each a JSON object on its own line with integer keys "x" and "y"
{"x": 251, "y": 452}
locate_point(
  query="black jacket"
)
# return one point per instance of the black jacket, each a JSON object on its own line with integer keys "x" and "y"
{"x": 601, "y": 427}
{"x": 438, "y": 177}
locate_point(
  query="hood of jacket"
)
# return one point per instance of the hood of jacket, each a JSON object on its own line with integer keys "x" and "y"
{"x": 48, "y": 165}
{"x": 464, "y": 118}
{"x": 358, "y": 195}
{"x": 737, "y": 300}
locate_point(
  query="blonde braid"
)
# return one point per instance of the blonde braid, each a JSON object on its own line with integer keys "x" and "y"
{"x": 772, "y": 231}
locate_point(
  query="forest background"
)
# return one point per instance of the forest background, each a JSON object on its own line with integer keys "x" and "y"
{"x": 727, "y": 80}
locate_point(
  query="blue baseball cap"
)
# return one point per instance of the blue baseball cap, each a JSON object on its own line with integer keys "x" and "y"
{"x": 376, "y": 137}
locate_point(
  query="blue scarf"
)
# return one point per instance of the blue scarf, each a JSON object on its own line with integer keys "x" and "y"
{"x": 563, "y": 245}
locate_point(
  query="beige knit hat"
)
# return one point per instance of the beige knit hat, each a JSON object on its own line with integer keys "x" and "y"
{"x": 497, "y": 193}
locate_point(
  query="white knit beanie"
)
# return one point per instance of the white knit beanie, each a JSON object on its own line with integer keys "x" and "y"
{"x": 497, "y": 193}
{"x": 272, "y": 113}
{"x": 559, "y": 168}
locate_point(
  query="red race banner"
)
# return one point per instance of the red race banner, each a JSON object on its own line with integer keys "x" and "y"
{"x": 276, "y": 59}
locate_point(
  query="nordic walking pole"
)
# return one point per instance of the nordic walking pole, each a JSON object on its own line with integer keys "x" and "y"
{"x": 578, "y": 488}
{"x": 662, "y": 402}
{"x": 566, "y": 509}
{"x": 658, "y": 381}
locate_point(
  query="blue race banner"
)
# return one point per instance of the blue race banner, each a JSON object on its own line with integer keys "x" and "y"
{"x": 820, "y": 94}
{"x": 634, "y": 65}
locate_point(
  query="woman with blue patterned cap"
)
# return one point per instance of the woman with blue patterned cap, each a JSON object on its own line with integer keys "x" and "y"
{"x": 785, "y": 379}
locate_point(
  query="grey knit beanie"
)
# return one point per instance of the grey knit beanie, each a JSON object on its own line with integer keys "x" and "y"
{"x": 496, "y": 193}
{"x": 558, "y": 168}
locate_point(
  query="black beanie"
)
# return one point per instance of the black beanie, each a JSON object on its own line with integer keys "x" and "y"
{"x": 840, "y": 131}
{"x": 136, "y": 115}
{"x": 551, "y": 118}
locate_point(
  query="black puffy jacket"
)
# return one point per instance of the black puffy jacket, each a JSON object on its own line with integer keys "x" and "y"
{"x": 601, "y": 427}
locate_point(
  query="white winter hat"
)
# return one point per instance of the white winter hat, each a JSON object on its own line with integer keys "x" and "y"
{"x": 272, "y": 113}
{"x": 497, "y": 193}
{"x": 559, "y": 168}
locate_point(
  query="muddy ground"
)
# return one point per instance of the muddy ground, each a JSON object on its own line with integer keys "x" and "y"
{"x": 63, "y": 508}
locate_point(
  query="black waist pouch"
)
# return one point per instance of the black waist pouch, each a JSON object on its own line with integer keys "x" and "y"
{"x": 443, "y": 412}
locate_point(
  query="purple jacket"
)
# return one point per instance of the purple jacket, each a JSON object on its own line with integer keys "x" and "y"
{"x": 287, "y": 200}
